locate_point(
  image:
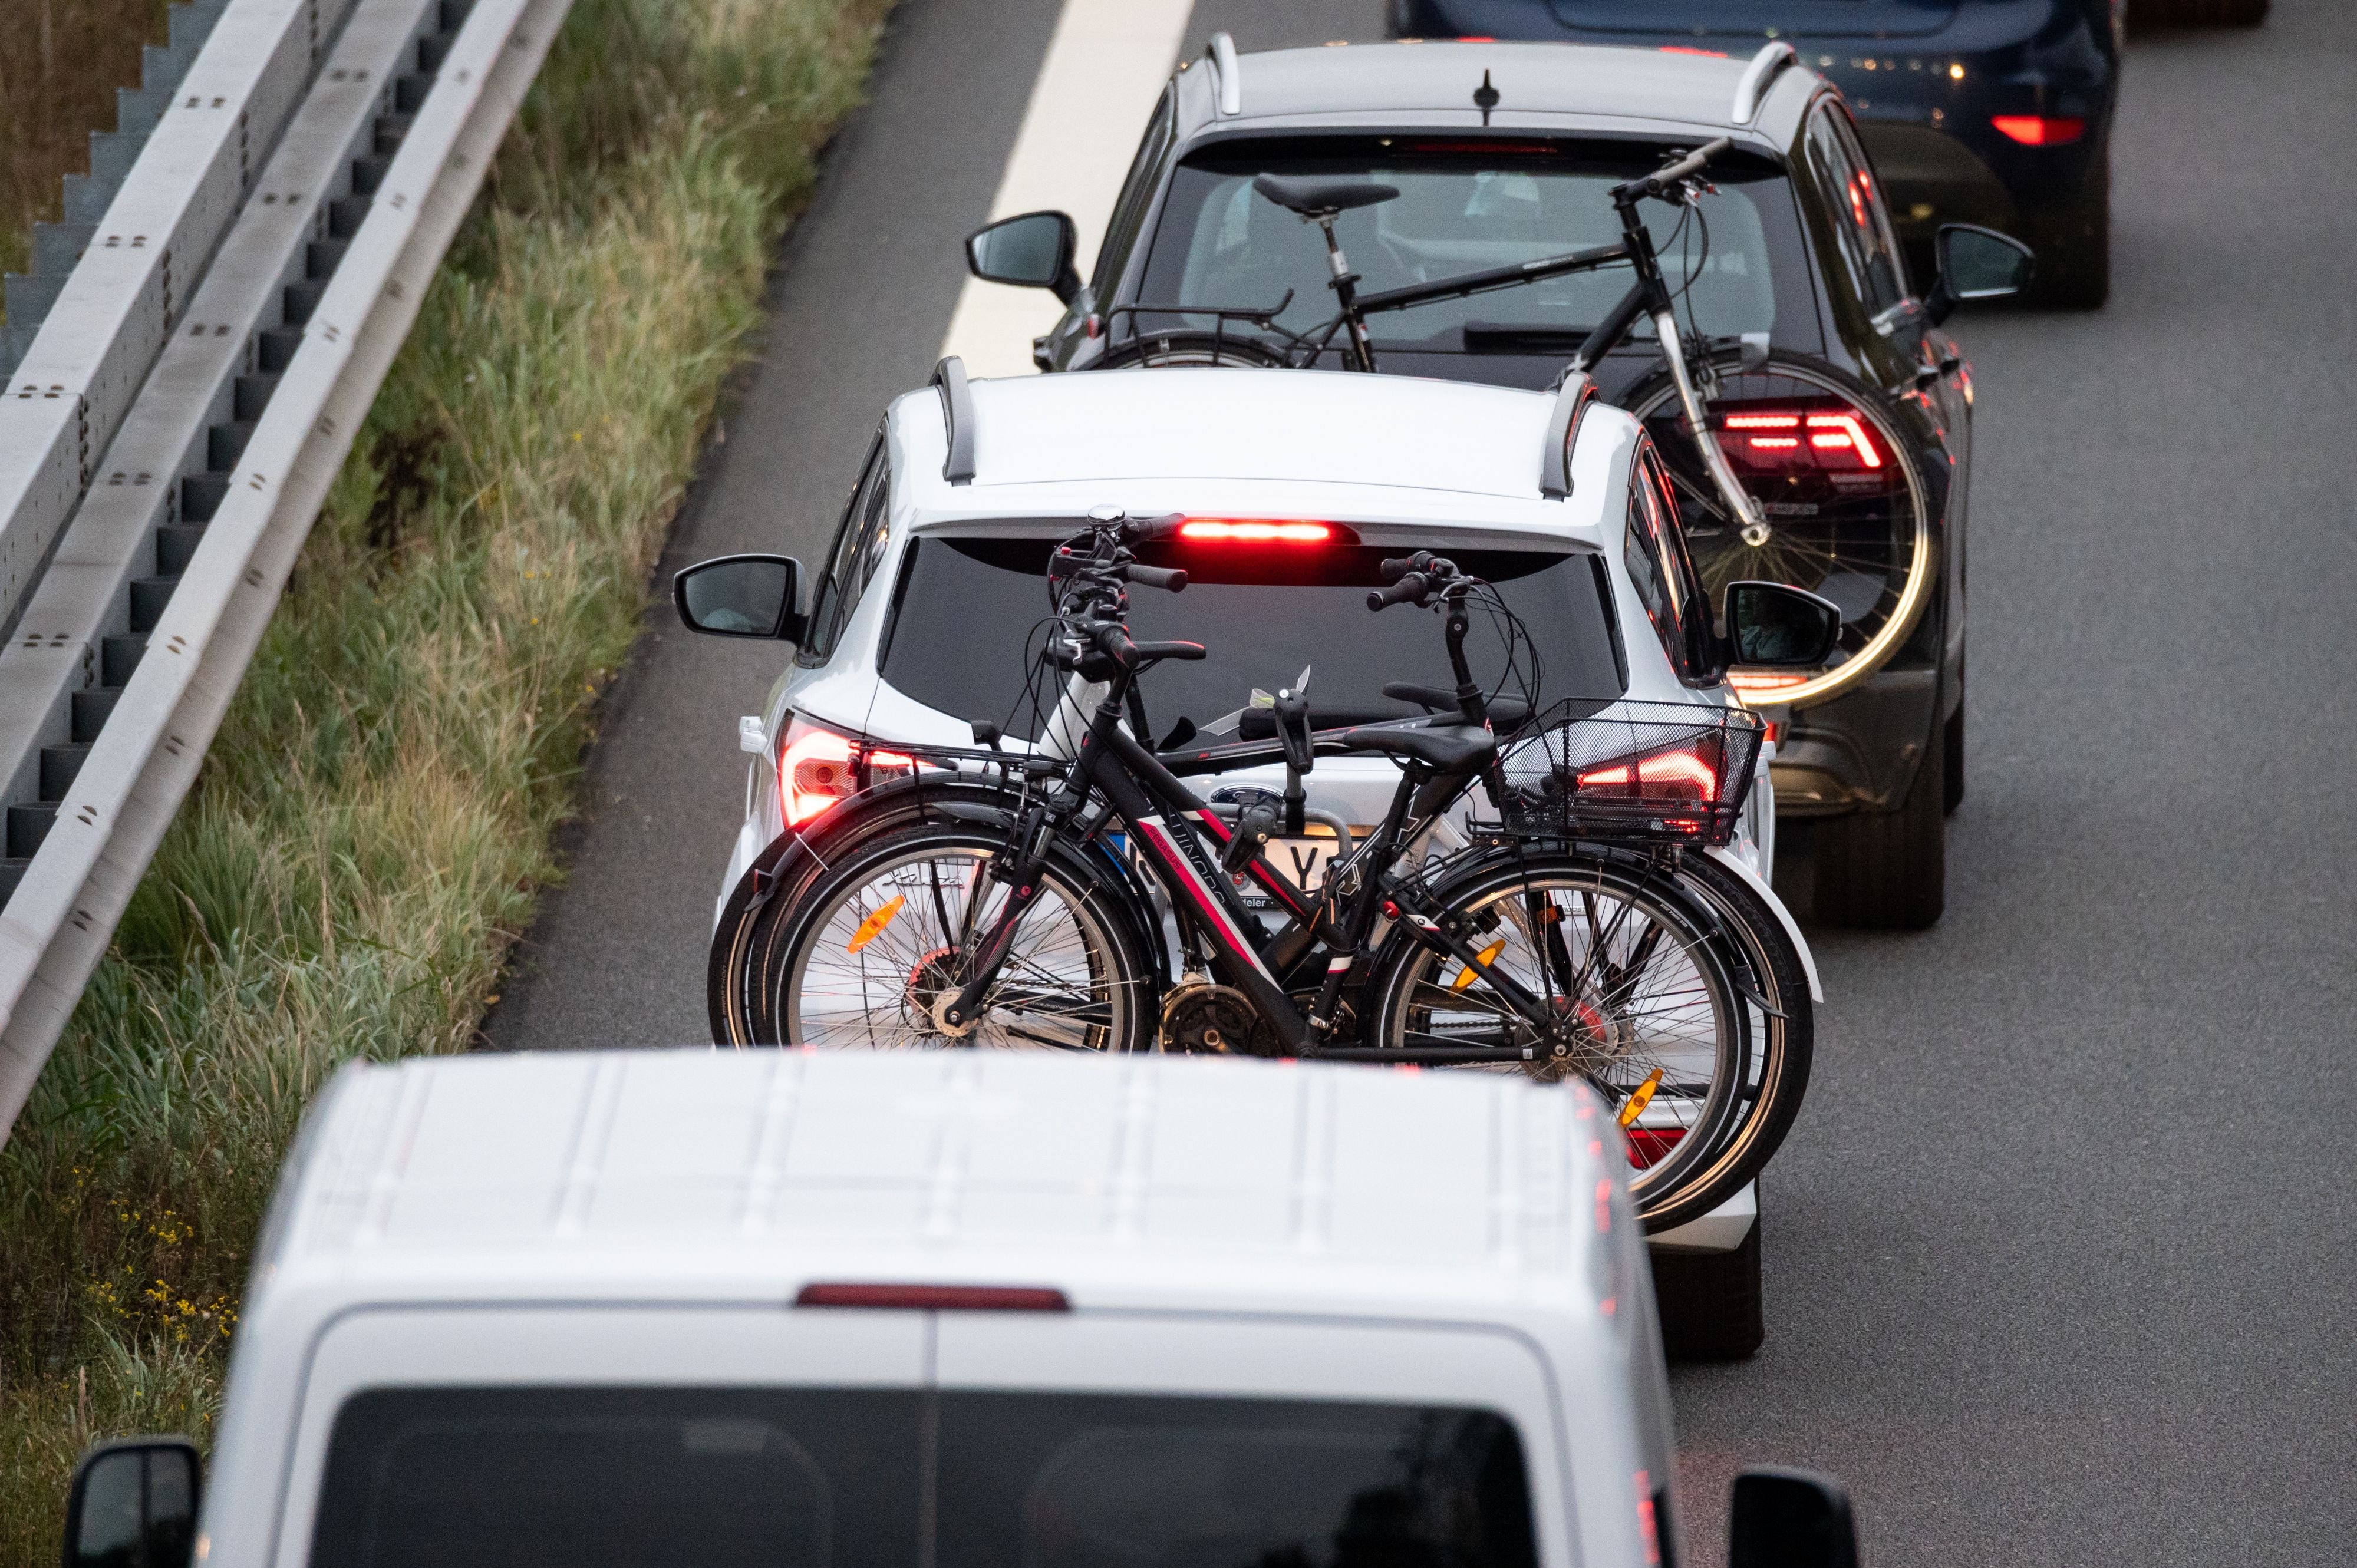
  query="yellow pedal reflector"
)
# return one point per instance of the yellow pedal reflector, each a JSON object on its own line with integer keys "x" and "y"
{"x": 1484, "y": 958}
{"x": 873, "y": 926}
{"x": 1642, "y": 1097}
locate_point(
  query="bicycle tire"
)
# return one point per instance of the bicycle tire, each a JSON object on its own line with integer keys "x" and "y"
{"x": 1784, "y": 1047}
{"x": 888, "y": 976}
{"x": 1631, "y": 1039}
{"x": 1882, "y": 571}
{"x": 1191, "y": 350}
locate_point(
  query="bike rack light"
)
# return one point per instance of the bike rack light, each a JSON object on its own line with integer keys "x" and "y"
{"x": 957, "y": 411}
{"x": 1758, "y": 77}
{"x": 1563, "y": 427}
{"x": 1222, "y": 52}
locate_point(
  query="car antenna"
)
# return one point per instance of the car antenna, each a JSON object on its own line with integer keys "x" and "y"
{"x": 1485, "y": 97}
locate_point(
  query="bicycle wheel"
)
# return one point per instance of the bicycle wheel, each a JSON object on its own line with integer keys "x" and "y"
{"x": 1659, "y": 1027}
{"x": 1780, "y": 1019}
{"x": 1847, "y": 514}
{"x": 874, "y": 951}
{"x": 1191, "y": 350}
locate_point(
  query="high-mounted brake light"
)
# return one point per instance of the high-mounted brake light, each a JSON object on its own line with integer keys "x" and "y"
{"x": 814, "y": 771}
{"x": 1255, "y": 531}
{"x": 2040, "y": 130}
{"x": 937, "y": 1298}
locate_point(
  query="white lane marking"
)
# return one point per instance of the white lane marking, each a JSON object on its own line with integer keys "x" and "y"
{"x": 1103, "y": 71}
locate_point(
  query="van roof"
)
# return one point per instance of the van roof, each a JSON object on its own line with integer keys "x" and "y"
{"x": 1136, "y": 1180}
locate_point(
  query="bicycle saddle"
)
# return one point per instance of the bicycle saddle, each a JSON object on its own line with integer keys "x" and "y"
{"x": 1505, "y": 711}
{"x": 1451, "y": 748}
{"x": 1313, "y": 197}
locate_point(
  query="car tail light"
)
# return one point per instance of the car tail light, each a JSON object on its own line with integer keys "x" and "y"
{"x": 1763, "y": 682}
{"x": 1255, "y": 531}
{"x": 1780, "y": 441}
{"x": 2040, "y": 130}
{"x": 1672, "y": 776}
{"x": 937, "y": 1298}
{"x": 816, "y": 769}
{"x": 1649, "y": 1146}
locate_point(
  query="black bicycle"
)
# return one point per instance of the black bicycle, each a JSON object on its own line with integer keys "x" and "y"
{"x": 1321, "y": 202}
{"x": 1016, "y": 898}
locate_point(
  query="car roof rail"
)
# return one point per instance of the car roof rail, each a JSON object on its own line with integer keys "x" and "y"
{"x": 957, "y": 411}
{"x": 1222, "y": 52}
{"x": 1571, "y": 401}
{"x": 1758, "y": 76}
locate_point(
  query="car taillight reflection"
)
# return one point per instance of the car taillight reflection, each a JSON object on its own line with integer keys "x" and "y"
{"x": 815, "y": 770}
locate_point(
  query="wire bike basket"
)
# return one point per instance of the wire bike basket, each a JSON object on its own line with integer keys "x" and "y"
{"x": 1656, "y": 772}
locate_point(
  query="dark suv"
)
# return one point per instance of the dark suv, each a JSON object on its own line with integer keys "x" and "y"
{"x": 1842, "y": 403}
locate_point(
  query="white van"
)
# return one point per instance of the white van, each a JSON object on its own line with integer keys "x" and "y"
{"x": 792, "y": 1309}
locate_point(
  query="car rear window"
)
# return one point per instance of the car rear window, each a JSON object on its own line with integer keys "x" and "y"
{"x": 1465, "y": 205}
{"x": 870, "y": 1478}
{"x": 969, "y": 607}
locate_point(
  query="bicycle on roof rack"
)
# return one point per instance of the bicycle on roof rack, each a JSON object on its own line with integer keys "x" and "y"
{"x": 1574, "y": 935}
{"x": 1321, "y": 202}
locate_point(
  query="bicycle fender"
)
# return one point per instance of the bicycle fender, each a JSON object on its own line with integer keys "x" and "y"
{"x": 1751, "y": 879}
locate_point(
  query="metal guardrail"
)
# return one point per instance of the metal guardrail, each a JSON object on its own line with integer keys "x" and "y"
{"x": 115, "y": 677}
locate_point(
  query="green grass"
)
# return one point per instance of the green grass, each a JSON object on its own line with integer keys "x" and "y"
{"x": 372, "y": 824}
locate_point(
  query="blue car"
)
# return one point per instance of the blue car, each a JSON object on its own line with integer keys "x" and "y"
{"x": 1989, "y": 112}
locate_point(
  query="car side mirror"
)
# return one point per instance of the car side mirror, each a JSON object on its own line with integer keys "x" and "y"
{"x": 1776, "y": 625}
{"x": 133, "y": 1505}
{"x": 742, "y": 596}
{"x": 1034, "y": 251}
{"x": 1977, "y": 263}
{"x": 1790, "y": 1519}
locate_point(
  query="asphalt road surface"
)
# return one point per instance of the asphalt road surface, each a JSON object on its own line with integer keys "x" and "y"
{"x": 2060, "y": 1256}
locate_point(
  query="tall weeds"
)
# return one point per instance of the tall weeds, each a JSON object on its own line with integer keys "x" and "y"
{"x": 61, "y": 61}
{"x": 372, "y": 822}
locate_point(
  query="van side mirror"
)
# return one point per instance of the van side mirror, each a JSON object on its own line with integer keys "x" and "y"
{"x": 1034, "y": 251}
{"x": 1776, "y": 625}
{"x": 1790, "y": 1519}
{"x": 1977, "y": 263}
{"x": 742, "y": 596}
{"x": 133, "y": 1505}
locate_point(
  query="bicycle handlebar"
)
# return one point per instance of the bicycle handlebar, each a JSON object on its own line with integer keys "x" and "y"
{"x": 1659, "y": 182}
{"x": 1170, "y": 577}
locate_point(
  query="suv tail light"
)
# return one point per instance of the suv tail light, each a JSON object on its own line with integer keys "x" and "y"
{"x": 1781, "y": 441}
{"x": 2040, "y": 130}
{"x": 816, "y": 769}
{"x": 1678, "y": 778}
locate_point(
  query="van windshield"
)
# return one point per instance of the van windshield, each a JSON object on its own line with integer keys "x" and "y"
{"x": 816, "y": 1478}
{"x": 1467, "y": 204}
{"x": 967, "y": 608}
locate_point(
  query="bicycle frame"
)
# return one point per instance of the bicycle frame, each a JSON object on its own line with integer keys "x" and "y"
{"x": 1160, "y": 814}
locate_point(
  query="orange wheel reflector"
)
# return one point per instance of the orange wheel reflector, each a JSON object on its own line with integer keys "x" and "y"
{"x": 1483, "y": 960}
{"x": 873, "y": 926}
{"x": 1642, "y": 1097}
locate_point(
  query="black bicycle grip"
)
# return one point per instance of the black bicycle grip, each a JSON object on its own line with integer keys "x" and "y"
{"x": 1172, "y": 577}
{"x": 1113, "y": 641}
{"x": 1144, "y": 529}
{"x": 1396, "y": 567}
{"x": 1409, "y": 590}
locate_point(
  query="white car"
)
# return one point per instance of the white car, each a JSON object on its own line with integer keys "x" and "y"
{"x": 916, "y": 626}
{"x": 799, "y": 1308}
